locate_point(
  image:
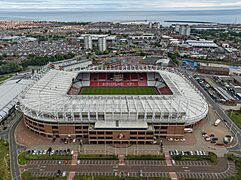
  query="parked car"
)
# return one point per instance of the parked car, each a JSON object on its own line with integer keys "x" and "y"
{"x": 217, "y": 122}
{"x": 197, "y": 153}
{"x": 171, "y": 153}
{"x": 207, "y": 139}
{"x": 191, "y": 153}
{"x": 64, "y": 173}
{"x": 214, "y": 139}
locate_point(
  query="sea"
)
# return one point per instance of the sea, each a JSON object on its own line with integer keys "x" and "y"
{"x": 232, "y": 16}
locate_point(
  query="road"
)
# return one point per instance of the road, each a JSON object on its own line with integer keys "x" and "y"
{"x": 234, "y": 128}
{"x": 9, "y": 134}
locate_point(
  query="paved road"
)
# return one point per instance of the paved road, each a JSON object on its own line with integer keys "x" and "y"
{"x": 9, "y": 134}
{"x": 234, "y": 128}
{"x": 151, "y": 168}
{"x": 14, "y": 147}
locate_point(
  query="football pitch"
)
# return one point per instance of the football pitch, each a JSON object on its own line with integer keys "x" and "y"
{"x": 118, "y": 91}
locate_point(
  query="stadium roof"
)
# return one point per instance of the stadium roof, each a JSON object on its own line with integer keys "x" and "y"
{"x": 8, "y": 94}
{"x": 47, "y": 100}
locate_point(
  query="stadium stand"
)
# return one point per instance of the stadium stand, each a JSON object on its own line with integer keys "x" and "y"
{"x": 120, "y": 80}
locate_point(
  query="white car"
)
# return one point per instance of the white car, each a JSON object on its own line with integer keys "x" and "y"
{"x": 197, "y": 153}
{"x": 64, "y": 173}
{"x": 207, "y": 139}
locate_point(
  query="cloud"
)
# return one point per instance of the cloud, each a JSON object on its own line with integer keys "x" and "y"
{"x": 121, "y": 5}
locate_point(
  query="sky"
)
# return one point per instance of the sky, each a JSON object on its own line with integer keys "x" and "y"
{"x": 116, "y": 5}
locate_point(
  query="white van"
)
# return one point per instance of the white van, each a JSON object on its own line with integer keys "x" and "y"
{"x": 217, "y": 122}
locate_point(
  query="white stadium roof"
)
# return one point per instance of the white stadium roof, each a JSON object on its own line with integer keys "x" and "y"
{"x": 9, "y": 92}
{"x": 48, "y": 101}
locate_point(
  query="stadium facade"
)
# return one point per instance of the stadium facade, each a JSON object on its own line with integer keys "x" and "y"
{"x": 56, "y": 107}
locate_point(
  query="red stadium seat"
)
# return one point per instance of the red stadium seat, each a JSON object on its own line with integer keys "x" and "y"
{"x": 129, "y": 79}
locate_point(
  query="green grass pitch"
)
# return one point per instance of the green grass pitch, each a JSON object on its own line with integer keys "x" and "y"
{"x": 118, "y": 91}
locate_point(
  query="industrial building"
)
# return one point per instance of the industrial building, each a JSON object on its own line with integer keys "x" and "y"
{"x": 214, "y": 70}
{"x": 202, "y": 43}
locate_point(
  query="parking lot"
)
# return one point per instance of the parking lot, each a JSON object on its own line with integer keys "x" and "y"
{"x": 134, "y": 168}
{"x": 44, "y": 174}
{"x": 123, "y": 173}
{"x": 145, "y": 163}
{"x": 203, "y": 175}
{"x": 48, "y": 162}
{"x": 191, "y": 163}
{"x": 209, "y": 175}
{"x": 96, "y": 173}
{"x": 149, "y": 174}
{"x": 96, "y": 162}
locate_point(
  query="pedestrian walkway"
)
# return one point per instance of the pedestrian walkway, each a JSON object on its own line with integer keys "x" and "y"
{"x": 173, "y": 175}
{"x": 73, "y": 163}
{"x": 71, "y": 175}
{"x": 121, "y": 158}
{"x": 74, "y": 158}
{"x": 167, "y": 157}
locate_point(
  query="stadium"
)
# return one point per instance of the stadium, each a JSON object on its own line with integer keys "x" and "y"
{"x": 127, "y": 105}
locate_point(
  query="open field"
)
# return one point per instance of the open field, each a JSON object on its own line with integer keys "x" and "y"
{"x": 23, "y": 157}
{"x": 238, "y": 166}
{"x": 210, "y": 157}
{"x": 119, "y": 91}
{"x": 146, "y": 157}
{"x": 3, "y": 78}
{"x": 119, "y": 178}
{"x": 4, "y": 160}
{"x": 236, "y": 117}
{"x": 97, "y": 157}
{"x": 27, "y": 175}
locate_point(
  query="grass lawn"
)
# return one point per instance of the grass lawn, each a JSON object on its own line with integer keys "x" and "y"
{"x": 146, "y": 157}
{"x": 23, "y": 157}
{"x": 28, "y": 176}
{"x": 119, "y": 91}
{"x": 4, "y": 161}
{"x": 96, "y": 157}
{"x": 3, "y": 78}
{"x": 237, "y": 165}
{"x": 236, "y": 117}
{"x": 118, "y": 178}
{"x": 210, "y": 157}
